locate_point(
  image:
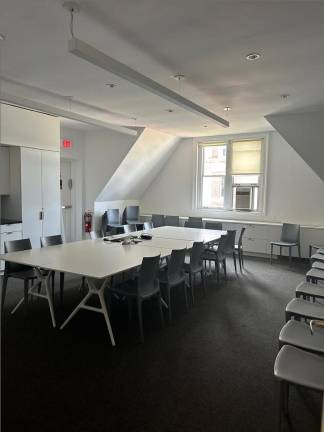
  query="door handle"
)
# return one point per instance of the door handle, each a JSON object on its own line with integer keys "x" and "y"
{"x": 41, "y": 215}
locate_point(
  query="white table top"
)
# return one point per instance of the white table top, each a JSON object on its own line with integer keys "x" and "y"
{"x": 100, "y": 259}
{"x": 184, "y": 233}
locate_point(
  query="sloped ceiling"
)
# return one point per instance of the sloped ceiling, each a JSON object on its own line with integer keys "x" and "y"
{"x": 140, "y": 166}
{"x": 304, "y": 132}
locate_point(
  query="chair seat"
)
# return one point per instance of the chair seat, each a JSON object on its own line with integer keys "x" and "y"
{"x": 298, "y": 333}
{"x": 317, "y": 246}
{"x": 283, "y": 244}
{"x": 309, "y": 289}
{"x": 25, "y": 274}
{"x": 163, "y": 278}
{"x": 320, "y": 250}
{"x": 129, "y": 289}
{"x": 306, "y": 309}
{"x": 318, "y": 265}
{"x": 315, "y": 273}
{"x": 188, "y": 269}
{"x": 300, "y": 367}
{"x": 209, "y": 255}
{"x": 317, "y": 257}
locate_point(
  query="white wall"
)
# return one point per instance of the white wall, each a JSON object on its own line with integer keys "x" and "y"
{"x": 294, "y": 192}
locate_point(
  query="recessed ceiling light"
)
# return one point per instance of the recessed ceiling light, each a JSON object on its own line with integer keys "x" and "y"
{"x": 227, "y": 108}
{"x": 2, "y": 37}
{"x": 253, "y": 56}
{"x": 170, "y": 110}
{"x": 111, "y": 85}
{"x": 205, "y": 126}
{"x": 284, "y": 96}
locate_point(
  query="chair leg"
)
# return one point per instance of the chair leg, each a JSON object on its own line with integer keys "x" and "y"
{"x": 186, "y": 294}
{"x": 191, "y": 286}
{"x": 203, "y": 281}
{"x": 61, "y": 287}
{"x": 26, "y": 289}
{"x": 299, "y": 254}
{"x": 168, "y": 290}
{"x": 3, "y": 291}
{"x": 224, "y": 267}
{"x": 53, "y": 285}
{"x": 280, "y": 251}
{"x": 271, "y": 252}
{"x": 234, "y": 259}
{"x": 140, "y": 320}
{"x": 290, "y": 256}
{"x": 160, "y": 309}
{"x": 240, "y": 259}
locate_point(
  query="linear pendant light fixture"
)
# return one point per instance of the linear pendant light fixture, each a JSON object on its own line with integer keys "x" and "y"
{"x": 103, "y": 61}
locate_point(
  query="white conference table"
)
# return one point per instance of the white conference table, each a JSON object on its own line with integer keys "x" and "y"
{"x": 98, "y": 260}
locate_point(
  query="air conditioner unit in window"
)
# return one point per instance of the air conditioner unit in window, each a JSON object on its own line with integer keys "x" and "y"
{"x": 243, "y": 198}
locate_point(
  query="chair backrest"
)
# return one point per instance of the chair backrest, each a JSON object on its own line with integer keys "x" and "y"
{"x": 241, "y": 236}
{"x": 214, "y": 226}
{"x": 193, "y": 219}
{"x": 16, "y": 246}
{"x": 290, "y": 233}
{"x": 148, "y": 225}
{"x": 221, "y": 249}
{"x": 51, "y": 240}
{"x": 132, "y": 213}
{"x": 147, "y": 281}
{"x": 95, "y": 235}
{"x": 175, "y": 266}
{"x": 196, "y": 255}
{"x": 230, "y": 241}
{"x": 158, "y": 220}
{"x": 194, "y": 224}
{"x": 129, "y": 228}
{"x": 104, "y": 222}
{"x": 113, "y": 216}
{"x": 172, "y": 220}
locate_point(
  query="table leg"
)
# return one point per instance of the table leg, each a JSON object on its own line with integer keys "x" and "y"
{"x": 94, "y": 289}
{"x": 322, "y": 419}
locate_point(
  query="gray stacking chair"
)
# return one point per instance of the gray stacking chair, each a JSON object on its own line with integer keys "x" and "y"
{"x": 194, "y": 222}
{"x": 132, "y": 216}
{"x": 230, "y": 245}
{"x": 194, "y": 265}
{"x": 171, "y": 220}
{"x": 173, "y": 275}
{"x": 294, "y": 366}
{"x": 143, "y": 288}
{"x": 239, "y": 248}
{"x": 298, "y": 308}
{"x": 307, "y": 290}
{"x": 158, "y": 220}
{"x": 217, "y": 255}
{"x": 148, "y": 225}
{"x": 302, "y": 335}
{"x": 129, "y": 228}
{"x": 214, "y": 226}
{"x": 17, "y": 271}
{"x": 54, "y": 241}
{"x": 290, "y": 237}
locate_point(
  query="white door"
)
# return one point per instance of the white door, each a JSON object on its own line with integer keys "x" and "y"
{"x": 66, "y": 199}
{"x": 51, "y": 193}
{"x": 31, "y": 194}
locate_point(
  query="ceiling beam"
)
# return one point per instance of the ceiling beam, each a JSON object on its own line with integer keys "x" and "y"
{"x": 100, "y": 59}
{"x": 58, "y": 112}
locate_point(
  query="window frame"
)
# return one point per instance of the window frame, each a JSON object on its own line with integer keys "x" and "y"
{"x": 227, "y": 140}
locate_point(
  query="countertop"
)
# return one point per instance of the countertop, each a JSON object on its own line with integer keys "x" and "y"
{"x": 4, "y": 221}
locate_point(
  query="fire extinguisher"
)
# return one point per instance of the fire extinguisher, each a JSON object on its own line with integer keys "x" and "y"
{"x": 87, "y": 221}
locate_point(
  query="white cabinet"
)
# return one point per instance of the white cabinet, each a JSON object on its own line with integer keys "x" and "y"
{"x": 4, "y": 171}
{"x": 8, "y": 233}
{"x": 40, "y": 194}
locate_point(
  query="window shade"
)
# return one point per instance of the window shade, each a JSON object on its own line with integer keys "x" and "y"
{"x": 246, "y": 157}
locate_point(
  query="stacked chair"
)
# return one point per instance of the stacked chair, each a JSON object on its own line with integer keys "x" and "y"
{"x": 300, "y": 361}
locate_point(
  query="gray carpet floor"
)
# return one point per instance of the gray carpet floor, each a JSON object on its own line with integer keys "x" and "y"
{"x": 210, "y": 370}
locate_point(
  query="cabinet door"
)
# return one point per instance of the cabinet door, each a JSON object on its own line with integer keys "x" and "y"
{"x": 4, "y": 171}
{"x": 51, "y": 193}
{"x": 31, "y": 194}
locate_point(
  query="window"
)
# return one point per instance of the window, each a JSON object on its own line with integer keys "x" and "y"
{"x": 230, "y": 175}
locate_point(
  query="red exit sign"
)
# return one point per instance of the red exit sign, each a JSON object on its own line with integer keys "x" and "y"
{"x": 66, "y": 143}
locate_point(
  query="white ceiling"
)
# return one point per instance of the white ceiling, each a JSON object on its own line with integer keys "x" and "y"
{"x": 206, "y": 40}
